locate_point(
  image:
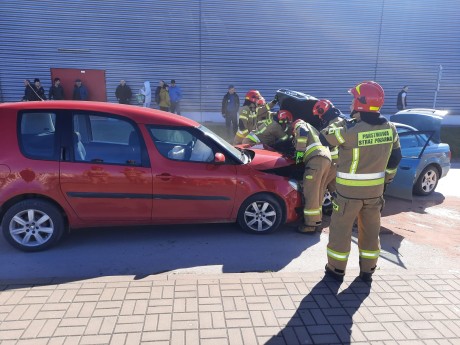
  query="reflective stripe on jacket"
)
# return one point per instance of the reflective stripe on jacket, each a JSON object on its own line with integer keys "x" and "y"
{"x": 306, "y": 139}
{"x": 246, "y": 122}
{"x": 364, "y": 150}
{"x": 268, "y": 132}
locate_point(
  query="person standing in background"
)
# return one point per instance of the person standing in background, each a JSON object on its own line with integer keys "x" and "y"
{"x": 34, "y": 92}
{"x": 80, "y": 92}
{"x": 56, "y": 91}
{"x": 165, "y": 102}
{"x": 230, "y": 107}
{"x": 123, "y": 93}
{"x": 146, "y": 91}
{"x": 27, "y": 89}
{"x": 161, "y": 83}
{"x": 401, "y": 103}
{"x": 175, "y": 96}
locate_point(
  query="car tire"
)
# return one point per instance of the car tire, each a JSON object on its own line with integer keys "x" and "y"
{"x": 33, "y": 225}
{"x": 260, "y": 214}
{"x": 427, "y": 181}
{"x": 327, "y": 203}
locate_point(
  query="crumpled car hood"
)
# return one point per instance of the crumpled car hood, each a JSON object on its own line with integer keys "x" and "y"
{"x": 267, "y": 160}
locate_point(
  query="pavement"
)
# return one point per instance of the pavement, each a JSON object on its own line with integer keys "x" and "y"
{"x": 242, "y": 308}
{"x": 205, "y": 298}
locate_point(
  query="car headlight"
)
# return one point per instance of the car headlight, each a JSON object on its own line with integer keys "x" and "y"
{"x": 294, "y": 184}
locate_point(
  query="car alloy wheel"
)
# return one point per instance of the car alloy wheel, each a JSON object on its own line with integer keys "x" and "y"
{"x": 427, "y": 181}
{"x": 260, "y": 214}
{"x": 32, "y": 225}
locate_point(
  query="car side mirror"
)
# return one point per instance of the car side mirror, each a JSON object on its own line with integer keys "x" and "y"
{"x": 219, "y": 158}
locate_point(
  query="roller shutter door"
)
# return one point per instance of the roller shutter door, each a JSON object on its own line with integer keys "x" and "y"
{"x": 320, "y": 48}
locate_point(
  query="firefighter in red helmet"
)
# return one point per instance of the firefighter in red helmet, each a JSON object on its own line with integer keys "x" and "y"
{"x": 247, "y": 118}
{"x": 369, "y": 154}
{"x": 328, "y": 115}
{"x": 273, "y": 133}
{"x": 317, "y": 160}
{"x": 263, "y": 110}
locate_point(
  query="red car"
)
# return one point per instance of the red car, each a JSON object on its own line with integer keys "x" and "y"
{"x": 68, "y": 165}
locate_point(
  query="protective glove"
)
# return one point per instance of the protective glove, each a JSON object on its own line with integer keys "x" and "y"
{"x": 299, "y": 157}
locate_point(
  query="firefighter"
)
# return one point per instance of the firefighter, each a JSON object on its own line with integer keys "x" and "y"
{"x": 328, "y": 115}
{"x": 247, "y": 116}
{"x": 272, "y": 133}
{"x": 317, "y": 160}
{"x": 263, "y": 111}
{"x": 369, "y": 154}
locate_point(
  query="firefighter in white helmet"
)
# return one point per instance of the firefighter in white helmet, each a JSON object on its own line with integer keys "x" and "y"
{"x": 369, "y": 154}
{"x": 317, "y": 160}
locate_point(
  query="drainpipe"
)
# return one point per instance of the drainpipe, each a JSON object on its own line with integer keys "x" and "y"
{"x": 438, "y": 86}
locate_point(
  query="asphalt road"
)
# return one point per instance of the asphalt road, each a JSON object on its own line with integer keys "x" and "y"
{"x": 418, "y": 235}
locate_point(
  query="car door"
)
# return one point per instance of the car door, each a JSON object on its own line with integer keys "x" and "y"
{"x": 187, "y": 183}
{"x": 104, "y": 171}
{"x": 413, "y": 145}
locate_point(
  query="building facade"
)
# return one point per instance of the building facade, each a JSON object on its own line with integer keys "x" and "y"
{"x": 321, "y": 48}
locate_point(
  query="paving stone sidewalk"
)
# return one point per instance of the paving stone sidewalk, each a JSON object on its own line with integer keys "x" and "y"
{"x": 247, "y": 308}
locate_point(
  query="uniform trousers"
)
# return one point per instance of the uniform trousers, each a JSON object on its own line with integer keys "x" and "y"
{"x": 330, "y": 183}
{"x": 314, "y": 187}
{"x": 345, "y": 211}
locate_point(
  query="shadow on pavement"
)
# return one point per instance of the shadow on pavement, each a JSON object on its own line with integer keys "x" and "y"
{"x": 144, "y": 251}
{"x": 324, "y": 316}
{"x": 418, "y": 205}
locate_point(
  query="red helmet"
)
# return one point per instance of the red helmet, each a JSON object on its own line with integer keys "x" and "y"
{"x": 253, "y": 96}
{"x": 367, "y": 96}
{"x": 261, "y": 101}
{"x": 285, "y": 116}
{"x": 321, "y": 107}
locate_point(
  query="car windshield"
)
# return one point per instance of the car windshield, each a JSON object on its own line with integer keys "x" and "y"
{"x": 238, "y": 154}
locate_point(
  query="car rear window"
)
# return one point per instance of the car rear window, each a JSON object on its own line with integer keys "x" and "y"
{"x": 37, "y": 135}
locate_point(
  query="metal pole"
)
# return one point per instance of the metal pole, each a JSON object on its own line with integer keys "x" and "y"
{"x": 438, "y": 86}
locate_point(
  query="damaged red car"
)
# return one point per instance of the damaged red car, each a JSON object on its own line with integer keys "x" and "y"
{"x": 66, "y": 165}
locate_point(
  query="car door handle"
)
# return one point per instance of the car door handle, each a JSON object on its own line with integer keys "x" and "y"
{"x": 165, "y": 177}
{"x": 404, "y": 168}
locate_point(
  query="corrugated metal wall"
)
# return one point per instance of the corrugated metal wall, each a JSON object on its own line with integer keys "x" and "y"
{"x": 320, "y": 48}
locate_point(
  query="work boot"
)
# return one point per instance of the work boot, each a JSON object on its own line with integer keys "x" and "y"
{"x": 306, "y": 229}
{"x": 366, "y": 277}
{"x": 333, "y": 274}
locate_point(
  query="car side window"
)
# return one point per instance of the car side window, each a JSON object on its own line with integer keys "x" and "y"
{"x": 412, "y": 144}
{"x": 37, "y": 136}
{"x": 181, "y": 145}
{"x": 105, "y": 140}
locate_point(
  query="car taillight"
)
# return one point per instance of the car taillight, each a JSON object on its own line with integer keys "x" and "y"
{"x": 449, "y": 154}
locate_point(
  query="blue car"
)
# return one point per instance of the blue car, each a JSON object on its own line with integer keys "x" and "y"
{"x": 425, "y": 159}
